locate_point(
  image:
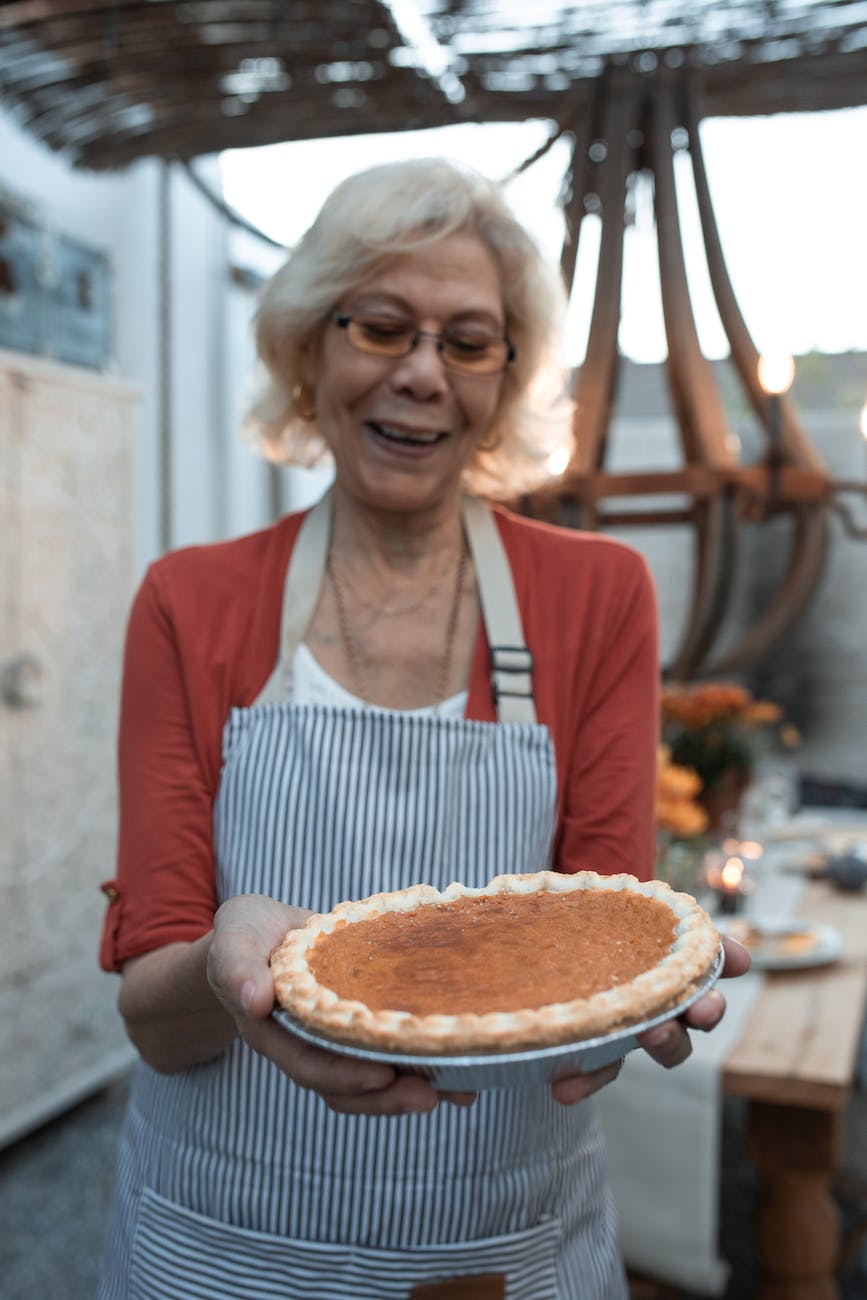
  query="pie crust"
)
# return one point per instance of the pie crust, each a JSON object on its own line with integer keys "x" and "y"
{"x": 529, "y": 961}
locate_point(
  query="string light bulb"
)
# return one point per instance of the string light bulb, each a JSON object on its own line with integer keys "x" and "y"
{"x": 776, "y": 372}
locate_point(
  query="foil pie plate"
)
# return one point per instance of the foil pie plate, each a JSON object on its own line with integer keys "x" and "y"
{"x": 507, "y": 1069}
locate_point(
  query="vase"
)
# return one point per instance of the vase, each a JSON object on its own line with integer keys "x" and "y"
{"x": 723, "y": 800}
{"x": 680, "y": 862}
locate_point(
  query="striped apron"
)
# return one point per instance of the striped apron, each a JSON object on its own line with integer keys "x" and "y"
{"x": 235, "y": 1184}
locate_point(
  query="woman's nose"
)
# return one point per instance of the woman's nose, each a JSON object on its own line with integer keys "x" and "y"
{"x": 422, "y": 370}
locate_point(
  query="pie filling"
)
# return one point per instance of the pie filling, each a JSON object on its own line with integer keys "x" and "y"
{"x": 495, "y": 952}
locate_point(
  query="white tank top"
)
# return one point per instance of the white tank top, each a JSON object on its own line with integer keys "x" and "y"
{"x": 311, "y": 684}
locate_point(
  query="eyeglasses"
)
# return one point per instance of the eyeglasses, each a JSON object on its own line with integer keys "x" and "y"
{"x": 463, "y": 349}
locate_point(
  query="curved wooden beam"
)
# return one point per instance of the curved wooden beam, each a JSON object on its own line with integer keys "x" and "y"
{"x": 796, "y": 446}
{"x": 716, "y": 544}
{"x": 807, "y": 559}
{"x": 573, "y": 214}
{"x": 597, "y": 377}
{"x": 722, "y": 493}
{"x": 694, "y": 391}
{"x": 573, "y": 211}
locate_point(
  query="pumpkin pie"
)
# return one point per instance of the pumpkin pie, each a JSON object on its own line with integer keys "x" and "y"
{"x": 528, "y": 961}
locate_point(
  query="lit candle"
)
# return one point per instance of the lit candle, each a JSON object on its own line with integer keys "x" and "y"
{"x": 729, "y": 884}
{"x": 731, "y": 878}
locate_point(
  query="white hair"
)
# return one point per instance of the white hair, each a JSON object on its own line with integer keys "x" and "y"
{"x": 368, "y": 220}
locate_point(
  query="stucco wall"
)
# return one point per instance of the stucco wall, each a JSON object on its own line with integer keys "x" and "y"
{"x": 217, "y": 488}
{"x": 81, "y": 519}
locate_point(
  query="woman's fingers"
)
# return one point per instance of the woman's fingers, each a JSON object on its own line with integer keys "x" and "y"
{"x": 668, "y": 1044}
{"x": 312, "y": 1067}
{"x": 737, "y": 958}
{"x": 578, "y": 1086}
{"x": 406, "y": 1095}
{"x": 458, "y": 1098}
{"x": 706, "y": 1012}
{"x": 345, "y": 1084}
{"x": 247, "y": 929}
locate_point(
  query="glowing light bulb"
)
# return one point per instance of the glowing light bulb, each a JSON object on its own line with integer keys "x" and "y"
{"x": 556, "y": 463}
{"x": 776, "y": 371}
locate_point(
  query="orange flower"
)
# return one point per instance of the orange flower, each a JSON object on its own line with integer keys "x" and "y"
{"x": 697, "y": 706}
{"x": 676, "y": 791}
{"x": 681, "y": 817}
{"x": 677, "y": 782}
{"x": 712, "y": 727}
{"x": 760, "y": 712}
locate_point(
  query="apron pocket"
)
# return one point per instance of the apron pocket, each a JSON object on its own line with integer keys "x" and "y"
{"x": 181, "y": 1255}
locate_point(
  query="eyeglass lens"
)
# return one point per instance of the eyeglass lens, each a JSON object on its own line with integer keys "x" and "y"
{"x": 461, "y": 349}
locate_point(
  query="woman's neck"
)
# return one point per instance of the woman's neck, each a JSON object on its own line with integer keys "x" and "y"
{"x": 390, "y": 541}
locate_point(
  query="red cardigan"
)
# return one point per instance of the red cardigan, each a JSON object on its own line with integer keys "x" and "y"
{"x": 203, "y": 637}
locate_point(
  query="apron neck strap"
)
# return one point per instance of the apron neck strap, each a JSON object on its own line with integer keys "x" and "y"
{"x": 301, "y": 589}
{"x": 511, "y": 661}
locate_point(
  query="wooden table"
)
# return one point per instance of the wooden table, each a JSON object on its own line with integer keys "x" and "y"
{"x": 795, "y": 1064}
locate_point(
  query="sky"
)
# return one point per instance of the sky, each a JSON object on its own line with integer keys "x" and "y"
{"x": 789, "y": 192}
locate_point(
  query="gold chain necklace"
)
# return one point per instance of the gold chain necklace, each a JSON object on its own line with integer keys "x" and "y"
{"x": 350, "y": 642}
{"x": 388, "y": 610}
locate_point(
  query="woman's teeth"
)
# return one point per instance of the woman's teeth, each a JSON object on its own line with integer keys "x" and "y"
{"x": 418, "y": 438}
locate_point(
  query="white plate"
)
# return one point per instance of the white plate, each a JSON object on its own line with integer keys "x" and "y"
{"x": 784, "y": 945}
{"x": 838, "y": 836}
{"x": 507, "y": 1069}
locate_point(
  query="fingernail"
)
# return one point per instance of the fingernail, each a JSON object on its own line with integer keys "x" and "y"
{"x": 248, "y": 993}
{"x": 374, "y": 1085}
{"x": 656, "y": 1037}
{"x": 569, "y": 1096}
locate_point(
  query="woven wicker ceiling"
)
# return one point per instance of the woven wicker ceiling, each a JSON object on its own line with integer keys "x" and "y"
{"x": 110, "y": 82}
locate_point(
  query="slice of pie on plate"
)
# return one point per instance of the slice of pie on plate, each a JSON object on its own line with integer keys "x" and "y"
{"x": 529, "y": 961}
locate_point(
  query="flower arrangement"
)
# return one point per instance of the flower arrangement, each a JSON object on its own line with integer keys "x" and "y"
{"x": 678, "y": 812}
{"x": 680, "y": 823}
{"x": 716, "y": 728}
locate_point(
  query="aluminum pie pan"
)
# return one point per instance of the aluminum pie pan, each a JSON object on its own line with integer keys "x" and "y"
{"x": 507, "y": 1069}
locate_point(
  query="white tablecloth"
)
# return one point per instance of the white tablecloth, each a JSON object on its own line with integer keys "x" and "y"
{"x": 663, "y": 1132}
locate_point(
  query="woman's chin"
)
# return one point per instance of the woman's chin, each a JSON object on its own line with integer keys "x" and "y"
{"x": 414, "y": 495}
{"x": 402, "y": 487}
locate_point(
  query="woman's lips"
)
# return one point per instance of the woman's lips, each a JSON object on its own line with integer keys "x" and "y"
{"x": 411, "y": 439}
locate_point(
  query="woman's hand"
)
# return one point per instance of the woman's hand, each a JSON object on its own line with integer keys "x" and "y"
{"x": 575, "y": 1087}
{"x": 668, "y": 1044}
{"x": 247, "y": 929}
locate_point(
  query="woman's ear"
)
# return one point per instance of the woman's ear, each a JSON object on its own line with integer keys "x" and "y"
{"x": 308, "y": 362}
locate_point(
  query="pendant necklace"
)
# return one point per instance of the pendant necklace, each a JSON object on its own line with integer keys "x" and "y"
{"x": 354, "y": 655}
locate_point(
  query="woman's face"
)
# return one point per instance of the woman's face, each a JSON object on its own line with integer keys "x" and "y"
{"x": 401, "y": 429}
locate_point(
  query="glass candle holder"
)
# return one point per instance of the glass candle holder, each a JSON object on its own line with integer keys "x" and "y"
{"x": 728, "y": 880}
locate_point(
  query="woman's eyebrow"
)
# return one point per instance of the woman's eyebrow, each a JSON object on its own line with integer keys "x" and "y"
{"x": 383, "y": 300}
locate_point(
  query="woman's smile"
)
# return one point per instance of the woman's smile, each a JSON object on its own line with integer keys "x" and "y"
{"x": 404, "y": 439}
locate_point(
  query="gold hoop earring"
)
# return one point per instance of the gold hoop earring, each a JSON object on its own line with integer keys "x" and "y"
{"x": 304, "y": 402}
{"x": 492, "y": 439}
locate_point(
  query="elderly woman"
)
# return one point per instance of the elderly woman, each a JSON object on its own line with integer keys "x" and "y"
{"x": 330, "y": 708}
